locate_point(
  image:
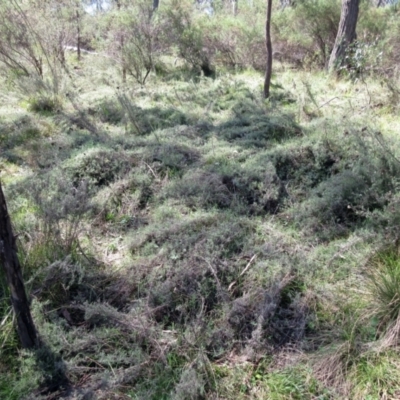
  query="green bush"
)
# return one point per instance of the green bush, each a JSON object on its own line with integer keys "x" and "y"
{"x": 139, "y": 32}
{"x": 109, "y": 111}
{"x": 254, "y": 186}
{"x": 202, "y": 189}
{"x": 44, "y": 105}
{"x": 252, "y": 127}
{"x": 185, "y": 29}
{"x": 97, "y": 166}
{"x": 172, "y": 158}
{"x": 356, "y": 191}
{"x": 311, "y": 26}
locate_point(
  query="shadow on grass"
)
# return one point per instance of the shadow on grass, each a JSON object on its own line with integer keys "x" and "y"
{"x": 53, "y": 369}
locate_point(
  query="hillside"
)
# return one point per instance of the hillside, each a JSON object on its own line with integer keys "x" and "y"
{"x": 188, "y": 239}
{"x": 182, "y": 237}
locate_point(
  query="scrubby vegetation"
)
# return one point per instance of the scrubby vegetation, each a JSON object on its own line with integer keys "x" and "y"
{"x": 180, "y": 236}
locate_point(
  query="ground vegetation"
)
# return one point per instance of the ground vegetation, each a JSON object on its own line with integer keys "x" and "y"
{"x": 182, "y": 237}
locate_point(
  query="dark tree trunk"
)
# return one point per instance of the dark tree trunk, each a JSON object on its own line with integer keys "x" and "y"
{"x": 268, "y": 43}
{"x": 12, "y": 269}
{"x": 156, "y": 3}
{"x": 346, "y": 32}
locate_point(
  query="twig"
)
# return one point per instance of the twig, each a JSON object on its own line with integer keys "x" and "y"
{"x": 243, "y": 272}
{"x": 151, "y": 170}
{"x": 210, "y": 267}
{"x": 327, "y": 102}
{"x": 248, "y": 265}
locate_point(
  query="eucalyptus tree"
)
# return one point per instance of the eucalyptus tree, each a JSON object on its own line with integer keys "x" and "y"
{"x": 11, "y": 268}
{"x": 346, "y": 32}
{"x": 268, "y": 44}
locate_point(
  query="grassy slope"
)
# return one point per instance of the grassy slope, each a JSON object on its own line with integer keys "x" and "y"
{"x": 188, "y": 240}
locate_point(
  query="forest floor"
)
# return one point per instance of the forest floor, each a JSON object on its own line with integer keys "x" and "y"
{"x": 190, "y": 240}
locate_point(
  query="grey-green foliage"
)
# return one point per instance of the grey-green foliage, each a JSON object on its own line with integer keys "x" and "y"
{"x": 252, "y": 125}
{"x": 310, "y": 30}
{"x": 185, "y": 32}
{"x": 356, "y": 188}
{"x": 190, "y": 386}
{"x": 135, "y": 38}
{"x": 97, "y": 166}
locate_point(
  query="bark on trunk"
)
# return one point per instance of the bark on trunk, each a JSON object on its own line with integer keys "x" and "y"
{"x": 346, "y": 32}
{"x": 268, "y": 43}
{"x": 12, "y": 269}
{"x": 156, "y": 3}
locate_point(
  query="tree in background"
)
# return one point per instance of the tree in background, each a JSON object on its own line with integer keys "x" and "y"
{"x": 346, "y": 32}
{"x": 268, "y": 72}
{"x": 134, "y": 38}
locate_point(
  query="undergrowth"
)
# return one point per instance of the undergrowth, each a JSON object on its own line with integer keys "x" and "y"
{"x": 189, "y": 240}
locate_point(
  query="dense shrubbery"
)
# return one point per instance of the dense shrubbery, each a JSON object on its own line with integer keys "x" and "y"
{"x": 180, "y": 236}
{"x": 141, "y": 39}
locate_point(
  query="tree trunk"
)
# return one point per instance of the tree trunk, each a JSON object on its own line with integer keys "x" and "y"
{"x": 78, "y": 36}
{"x": 9, "y": 261}
{"x": 346, "y": 32}
{"x": 268, "y": 43}
{"x": 235, "y": 7}
{"x": 156, "y": 3}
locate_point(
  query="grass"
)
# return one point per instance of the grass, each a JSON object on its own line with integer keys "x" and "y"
{"x": 384, "y": 280}
{"x": 189, "y": 240}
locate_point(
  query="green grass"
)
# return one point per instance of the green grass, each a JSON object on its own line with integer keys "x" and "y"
{"x": 188, "y": 239}
{"x": 384, "y": 281}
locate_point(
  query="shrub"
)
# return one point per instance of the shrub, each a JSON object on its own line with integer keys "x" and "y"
{"x": 172, "y": 158}
{"x": 135, "y": 39}
{"x": 252, "y": 125}
{"x": 306, "y": 166}
{"x": 44, "y": 105}
{"x": 185, "y": 29}
{"x": 56, "y": 211}
{"x": 236, "y": 41}
{"x": 356, "y": 192}
{"x": 311, "y": 25}
{"x": 274, "y": 317}
{"x": 387, "y": 219}
{"x": 202, "y": 189}
{"x": 97, "y": 166}
{"x": 255, "y": 186}
{"x": 109, "y": 111}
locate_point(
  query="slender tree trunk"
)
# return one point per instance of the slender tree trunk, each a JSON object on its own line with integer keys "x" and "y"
{"x": 78, "y": 36}
{"x": 12, "y": 269}
{"x": 156, "y": 3}
{"x": 61, "y": 52}
{"x": 124, "y": 69}
{"x": 235, "y": 7}
{"x": 121, "y": 45}
{"x": 346, "y": 32}
{"x": 268, "y": 43}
